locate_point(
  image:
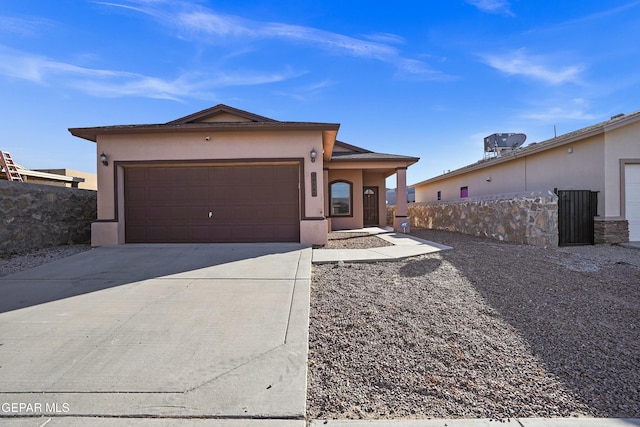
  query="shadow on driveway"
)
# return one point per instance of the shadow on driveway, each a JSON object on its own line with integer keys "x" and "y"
{"x": 108, "y": 267}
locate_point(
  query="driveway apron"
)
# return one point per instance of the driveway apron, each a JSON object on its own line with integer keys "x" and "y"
{"x": 159, "y": 331}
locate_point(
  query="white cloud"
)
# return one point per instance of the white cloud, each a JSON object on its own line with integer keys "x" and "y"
{"x": 385, "y": 38}
{"x": 111, "y": 83}
{"x": 208, "y": 26}
{"x": 520, "y": 63}
{"x": 555, "y": 114}
{"x": 24, "y": 27}
{"x": 492, "y": 6}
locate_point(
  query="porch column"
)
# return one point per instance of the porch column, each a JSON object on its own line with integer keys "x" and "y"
{"x": 325, "y": 178}
{"x": 401, "y": 220}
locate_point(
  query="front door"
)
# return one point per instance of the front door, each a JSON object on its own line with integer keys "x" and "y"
{"x": 370, "y": 200}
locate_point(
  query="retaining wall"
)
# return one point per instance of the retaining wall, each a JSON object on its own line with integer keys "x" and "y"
{"x": 528, "y": 218}
{"x": 34, "y": 216}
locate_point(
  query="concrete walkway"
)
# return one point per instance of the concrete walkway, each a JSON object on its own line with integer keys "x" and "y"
{"x": 404, "y": 246}
{"x": 633, "y": 245}
{"x": 157, "y": 331}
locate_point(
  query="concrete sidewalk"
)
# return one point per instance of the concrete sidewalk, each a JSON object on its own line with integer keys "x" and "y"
{"x": 404, "y": 246}
{"x": 175, "y": 422}
{"x": 515, "y": 422}
{"x": 154, "y": 331}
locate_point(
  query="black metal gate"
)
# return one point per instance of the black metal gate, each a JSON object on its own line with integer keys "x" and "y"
{"x": 576, "y": 209}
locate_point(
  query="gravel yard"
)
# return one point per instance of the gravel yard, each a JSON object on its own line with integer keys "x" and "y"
{"x": 350, "y": 240}
{"x": 486, "y": 330}
{"x": 14, "y": 263}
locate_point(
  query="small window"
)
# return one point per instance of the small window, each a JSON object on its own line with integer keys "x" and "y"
{"x": 464, "y": 192}
{"x": 439, "y": 195}
{"x": 341, "y": 198}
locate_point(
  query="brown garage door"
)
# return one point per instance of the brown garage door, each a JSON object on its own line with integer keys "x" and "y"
{"x": 212, "y": 204}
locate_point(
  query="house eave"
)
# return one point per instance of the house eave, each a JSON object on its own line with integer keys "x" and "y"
{"x": 92, "y": 133}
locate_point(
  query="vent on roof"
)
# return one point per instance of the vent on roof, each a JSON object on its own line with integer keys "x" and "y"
{"x": 500, "y": 143}
{"x": 617, "y": 116}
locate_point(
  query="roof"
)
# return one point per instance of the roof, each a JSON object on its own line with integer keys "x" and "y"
{"x": 352, "y": 147}
{"x": 194, "y": 123}
{"x": 536, "y": 147}
{"x": 218, "y": 110}
{"x": 213, "y": 119}
{"x": 361, "y": 154}
{"x": 371, "y": 156}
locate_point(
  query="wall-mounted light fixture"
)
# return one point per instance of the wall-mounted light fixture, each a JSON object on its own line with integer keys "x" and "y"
{"x": 207, "y": 138}
{"x": 103, "y": 159}
{"x": 313, "y": 155}
{"x": 488, "y": 178}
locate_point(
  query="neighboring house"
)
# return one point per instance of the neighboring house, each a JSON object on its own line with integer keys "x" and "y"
{"x": 227, "y": 175}
{"x": 603, "y": 158}
{"x": 55, "y": 177}
{"x": 391, "y": 195}
{"x": 83, "y": 180}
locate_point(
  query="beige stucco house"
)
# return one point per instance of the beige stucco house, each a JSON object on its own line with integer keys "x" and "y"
{"x": 603, "y": 158}
{"x": 227, "y": 175}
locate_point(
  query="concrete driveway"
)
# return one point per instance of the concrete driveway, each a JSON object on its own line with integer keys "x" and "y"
{"x": 193, "y": 331}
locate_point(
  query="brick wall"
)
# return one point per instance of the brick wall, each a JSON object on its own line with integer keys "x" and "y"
{"x": 34, "y": 216}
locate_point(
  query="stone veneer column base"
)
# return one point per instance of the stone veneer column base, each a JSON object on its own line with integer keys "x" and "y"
{"x": 611, "y": 231}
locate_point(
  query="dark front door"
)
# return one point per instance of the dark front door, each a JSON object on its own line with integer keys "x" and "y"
{"x": 370, "y": 200}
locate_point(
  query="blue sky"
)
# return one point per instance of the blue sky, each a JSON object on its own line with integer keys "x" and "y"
{"x": 428, "y": 79}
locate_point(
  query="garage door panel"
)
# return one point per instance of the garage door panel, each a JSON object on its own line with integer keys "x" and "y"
{"x": 199, "y": 234}
{"x": 176, "y": 213}
{"x": 154, "y": 174}
{"x": 263, "y": 174}
{"x": 248, "y": 204}
{"x": 219, "y": 193}
{"x": 138, "y": 195}
{"x": 136, "y": 214}
{"x": 263, "y": 193}
{"x": 198, "y": 213}
{"x": 197, "y": 175}
{"x": 137, "y": 234}
{"x": 199, "y": 194}
{"x": 135, "y": 175}
{"x": 156, "y": 234}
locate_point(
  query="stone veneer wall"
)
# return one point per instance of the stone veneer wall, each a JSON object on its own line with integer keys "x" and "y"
{"x": 34, "y": 216}
{"x": 611, "y": 231}
{"x": 529, "y": 217}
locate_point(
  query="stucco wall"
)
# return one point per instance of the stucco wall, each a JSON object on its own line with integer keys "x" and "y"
{"x": 273, "y": 146}
{"x": 620, "y": 143}
{"x": 355, "y": 220}
{"x": 528, "y": 217}
{"x": 574, "y": 166}
{"x": 34, "y": 216}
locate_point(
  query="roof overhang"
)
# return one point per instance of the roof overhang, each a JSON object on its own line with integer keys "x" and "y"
{"x": 379, "y": 165}
{"x": 92, "y": 133}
